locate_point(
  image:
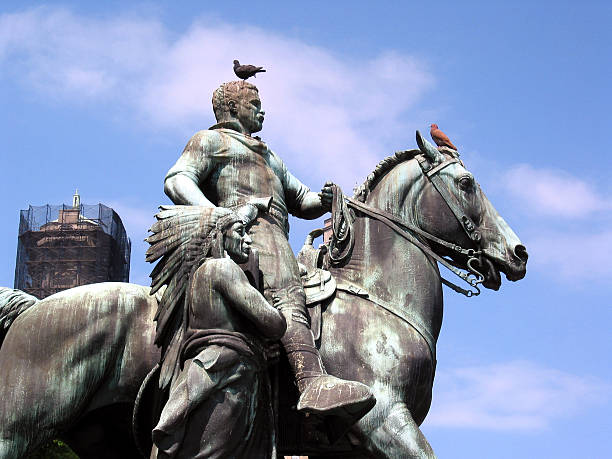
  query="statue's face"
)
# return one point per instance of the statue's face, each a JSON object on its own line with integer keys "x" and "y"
{"x": 249, "y": 112}
{"x": 237, "y": 243}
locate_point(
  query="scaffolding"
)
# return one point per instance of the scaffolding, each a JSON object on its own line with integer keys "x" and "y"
{"x": 61, "y": 247}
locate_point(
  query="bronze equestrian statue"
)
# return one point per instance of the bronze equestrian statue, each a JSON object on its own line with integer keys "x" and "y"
{"x": 71, "y": 365}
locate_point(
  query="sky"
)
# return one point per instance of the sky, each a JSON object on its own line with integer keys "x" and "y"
{"x": 103, "y": 96}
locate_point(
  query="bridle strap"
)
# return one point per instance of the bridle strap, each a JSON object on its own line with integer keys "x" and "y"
{"x": 466, "y": 222}
{"x": 439, "y": 167}
{"x": 341, "y": 245}
{"x": 381, "y": 213}
{"x": 473, "y": 277}
{"x": 394, "y": 223}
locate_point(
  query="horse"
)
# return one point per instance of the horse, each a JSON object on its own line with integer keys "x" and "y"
{"x": 71, "y": 364}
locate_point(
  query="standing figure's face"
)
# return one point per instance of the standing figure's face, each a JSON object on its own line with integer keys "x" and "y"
{"x": 237, "y": 243}
{"x": 247, "y": 109}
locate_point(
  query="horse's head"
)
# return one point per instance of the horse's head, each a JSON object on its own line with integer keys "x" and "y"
{"x": 450, "y": 205}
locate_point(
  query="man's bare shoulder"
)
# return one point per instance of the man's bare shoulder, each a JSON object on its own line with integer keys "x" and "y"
{"x": 223, "y": 270}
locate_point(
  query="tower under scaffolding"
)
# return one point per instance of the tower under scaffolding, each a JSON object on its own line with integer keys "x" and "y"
{"x": 62, "y": 246}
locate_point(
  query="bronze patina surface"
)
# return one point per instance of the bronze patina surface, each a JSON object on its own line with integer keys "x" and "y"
{"x": 218, "y": 401}
{"x": 95, "y": 344}
{"x": 225, "y": 167}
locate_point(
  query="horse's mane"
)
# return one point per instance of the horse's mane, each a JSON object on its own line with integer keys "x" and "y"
{"x": 381, "y": 169}
{"x": 342, "y": 241}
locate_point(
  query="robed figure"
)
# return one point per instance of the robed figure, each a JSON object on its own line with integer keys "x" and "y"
{"x": 213, "y": 326}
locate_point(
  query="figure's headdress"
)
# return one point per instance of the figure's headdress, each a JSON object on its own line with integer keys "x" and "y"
{"x": 183, "y": 238}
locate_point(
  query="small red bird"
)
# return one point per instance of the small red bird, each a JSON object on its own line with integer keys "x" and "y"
{"x": 440, "y": 137}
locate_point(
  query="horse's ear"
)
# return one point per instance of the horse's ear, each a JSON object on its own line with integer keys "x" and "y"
{"x": 428, "y": 149}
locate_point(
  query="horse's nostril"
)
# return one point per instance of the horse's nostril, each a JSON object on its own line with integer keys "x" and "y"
{"x": 521, "y": 253}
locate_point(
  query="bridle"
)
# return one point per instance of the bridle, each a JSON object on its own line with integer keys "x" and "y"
{"x": 344, "y": 236}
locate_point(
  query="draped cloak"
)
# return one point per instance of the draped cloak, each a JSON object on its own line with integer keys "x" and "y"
{"x": 220, "y": 401}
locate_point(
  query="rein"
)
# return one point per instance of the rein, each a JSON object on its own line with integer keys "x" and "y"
{"x": 341, "y": 224}
{"x": 473, "y": 278}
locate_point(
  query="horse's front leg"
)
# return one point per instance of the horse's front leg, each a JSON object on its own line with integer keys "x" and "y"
{"x": 399, "y": 437}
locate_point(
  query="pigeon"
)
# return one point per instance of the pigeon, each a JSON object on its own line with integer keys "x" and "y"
{"x": 246, "y": 71}
{"x": 440, "y": 137}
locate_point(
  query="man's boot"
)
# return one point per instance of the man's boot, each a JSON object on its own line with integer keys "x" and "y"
{"x": 321, "y": 394}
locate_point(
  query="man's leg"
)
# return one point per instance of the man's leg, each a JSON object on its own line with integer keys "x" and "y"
{"x": 320, "y": 393}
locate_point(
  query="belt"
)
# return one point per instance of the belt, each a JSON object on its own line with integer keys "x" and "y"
{"x": 281, "y": 217}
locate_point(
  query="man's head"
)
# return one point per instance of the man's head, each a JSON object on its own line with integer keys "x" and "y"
{"x": 239, "y": 101}
{"x": 237, "y": 242}
{"x": 227, "y": 232}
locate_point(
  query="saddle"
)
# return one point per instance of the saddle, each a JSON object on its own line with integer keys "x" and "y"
{"x": 318, "y": 284}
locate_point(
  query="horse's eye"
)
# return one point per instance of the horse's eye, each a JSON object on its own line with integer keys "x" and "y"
{"x": 466, "y": 183}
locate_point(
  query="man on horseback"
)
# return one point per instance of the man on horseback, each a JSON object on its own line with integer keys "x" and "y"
{"x": 225, "y": 167}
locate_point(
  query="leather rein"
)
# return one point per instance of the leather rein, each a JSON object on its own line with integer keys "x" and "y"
{"x": 473, "y": 277}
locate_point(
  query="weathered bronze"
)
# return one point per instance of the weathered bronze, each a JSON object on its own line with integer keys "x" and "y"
{"x": 219, "y": 400}
{"x": 80, "y": 356}
{"x": 224, "y": 166}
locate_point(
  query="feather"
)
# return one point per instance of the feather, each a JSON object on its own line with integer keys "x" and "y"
{"x": 165, "y": 234}
{"x": 173, "y": 223}
{"x": 179, "y": 240}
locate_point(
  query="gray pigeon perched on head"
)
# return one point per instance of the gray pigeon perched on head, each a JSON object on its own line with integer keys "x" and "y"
{"x": 246, "y": 71}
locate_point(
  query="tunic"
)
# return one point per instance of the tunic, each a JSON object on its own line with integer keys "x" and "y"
{"x": 230, "y": 168}
{"x": 219, "y": 405}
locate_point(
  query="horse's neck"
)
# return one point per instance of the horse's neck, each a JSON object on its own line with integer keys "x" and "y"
{"x": 384, "y": 262}
{"x": 392, "y": 269}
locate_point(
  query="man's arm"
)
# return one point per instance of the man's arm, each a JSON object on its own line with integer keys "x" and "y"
{"x": 316, "y": 204}
{"x": 233, "y": 284}
{"x": 183, "y": 190}
{"x": 193, "y": 167}
{"x": 302, "y": 202}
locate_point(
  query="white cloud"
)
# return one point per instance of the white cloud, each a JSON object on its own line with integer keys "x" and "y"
{"x": 321, "y": 108}
{"x": 64, "y": 55}
{"x": 137, "y": 220}
{"x": 573, "y": 257}
{"x": 514, "y": 396}
{"x": 553, "y": 192}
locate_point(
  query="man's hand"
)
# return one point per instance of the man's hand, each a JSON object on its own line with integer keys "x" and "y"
{"x": 326, "y": 195}
{"x": 315, "y": 205}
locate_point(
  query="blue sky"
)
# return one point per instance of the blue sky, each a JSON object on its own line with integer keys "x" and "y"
{"x": 103, "y": 97}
